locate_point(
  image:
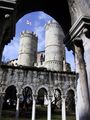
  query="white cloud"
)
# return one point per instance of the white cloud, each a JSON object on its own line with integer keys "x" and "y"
{"x": 28, "y": 22}
{"x": 39, "y": 29}
{"x": 44, "y": 16}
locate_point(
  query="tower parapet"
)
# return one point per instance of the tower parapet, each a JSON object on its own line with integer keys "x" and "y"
{"x": 28, "y": 33}
{"x": 54, "y": 47}
{"x": 28, "y": 48}
{"x": 53, "y": 23}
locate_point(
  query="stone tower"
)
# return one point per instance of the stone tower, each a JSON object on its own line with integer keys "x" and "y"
{"x": 54, "y": 47}
{"x": 28, "y": 48}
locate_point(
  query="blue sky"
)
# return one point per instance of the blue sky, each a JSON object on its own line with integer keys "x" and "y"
{"x": 35, "y": 22}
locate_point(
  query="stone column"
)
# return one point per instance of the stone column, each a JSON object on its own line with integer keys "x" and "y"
{"x": 17, "y": 107}
{"x": 34, "y": 107}
{"x": 1, "y": 52}
{"x": 49, "y": 108}
{"x": 82, "y": 85}
{"x": 1, "y": 104}
{"x": 85, "y": 36}
{"x": 63, "y": 107}
{"x": 76, "y": 108}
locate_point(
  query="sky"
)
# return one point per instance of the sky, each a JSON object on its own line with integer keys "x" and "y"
{"x": 34, "y": 22}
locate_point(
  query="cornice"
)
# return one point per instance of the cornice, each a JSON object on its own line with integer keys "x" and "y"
{"x": 9, "y": 1}
{"x": 76, "y": 29}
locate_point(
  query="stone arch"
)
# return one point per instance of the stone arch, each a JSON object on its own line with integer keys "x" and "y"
{"x": 40, "y": 87}
{"x": 10, "y": 97}
{"x": 9, "y": 86}
{"x": 57, "y": 97}
{"x": 31, "y": 87}
{"x": 59, "y": 89}
{"x": 24, "y": 7}
{"x": 70, "y": 102}
{"x": 27, "y": 93}
{"x": 42, "y": 102}
{"x": 42, "y": 95}
{"x": 26, "y": 100}
{"x": 56, "y": 102}
{"x": 71, "y": 88}
{"x": 28, "y": 88}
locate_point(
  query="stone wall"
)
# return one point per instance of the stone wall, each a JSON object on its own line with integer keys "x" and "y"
{"x": 35, "y": 78}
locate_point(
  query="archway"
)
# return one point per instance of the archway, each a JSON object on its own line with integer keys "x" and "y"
{"x": 33, "y": 22}
{"x": 41, "y": 107}
{"x": 13, "y": 47}
{"x": 26, "y": 103}
{"x": 9, "y": 105}
{"x": 70, "y": 104}
{"x": 24, "y": 7}
{"x": 56, "y": 104}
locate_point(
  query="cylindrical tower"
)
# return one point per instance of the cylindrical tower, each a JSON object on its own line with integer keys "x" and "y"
{"x": 54, "y": 47}
{"x": 28, "y": 48}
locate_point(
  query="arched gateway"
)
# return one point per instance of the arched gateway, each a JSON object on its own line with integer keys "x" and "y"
{"x": 74, "y": 17}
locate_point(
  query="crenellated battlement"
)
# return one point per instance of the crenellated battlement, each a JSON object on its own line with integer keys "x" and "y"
{"x": 51, "y": 23}
{"x": 28, "y": 33}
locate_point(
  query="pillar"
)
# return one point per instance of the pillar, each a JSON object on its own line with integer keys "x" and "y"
{"x": 63, "y": 108}
{"x": 1, "y": 53}
{"x": 85, "y": 36}
{"x": 76, "y": 108}
{"x": 82, "y": 85}
{"x": 17, "y": 107}
{"x": 34, "y": 107}
{"x": 49, "y": 108}
{"x": 1, "y": 104}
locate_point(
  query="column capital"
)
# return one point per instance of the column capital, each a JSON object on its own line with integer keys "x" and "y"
{"x": 86, "y": 32}
{"x": 18, "y": 95}
{"x": 34, "y": 96}
{"x": 76, "y": 29}
{"x": 63, "y": 96}
{"x": 49, "y": 97}
{"x": 77, "y": 41}
{"x": 79, "y": 50}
